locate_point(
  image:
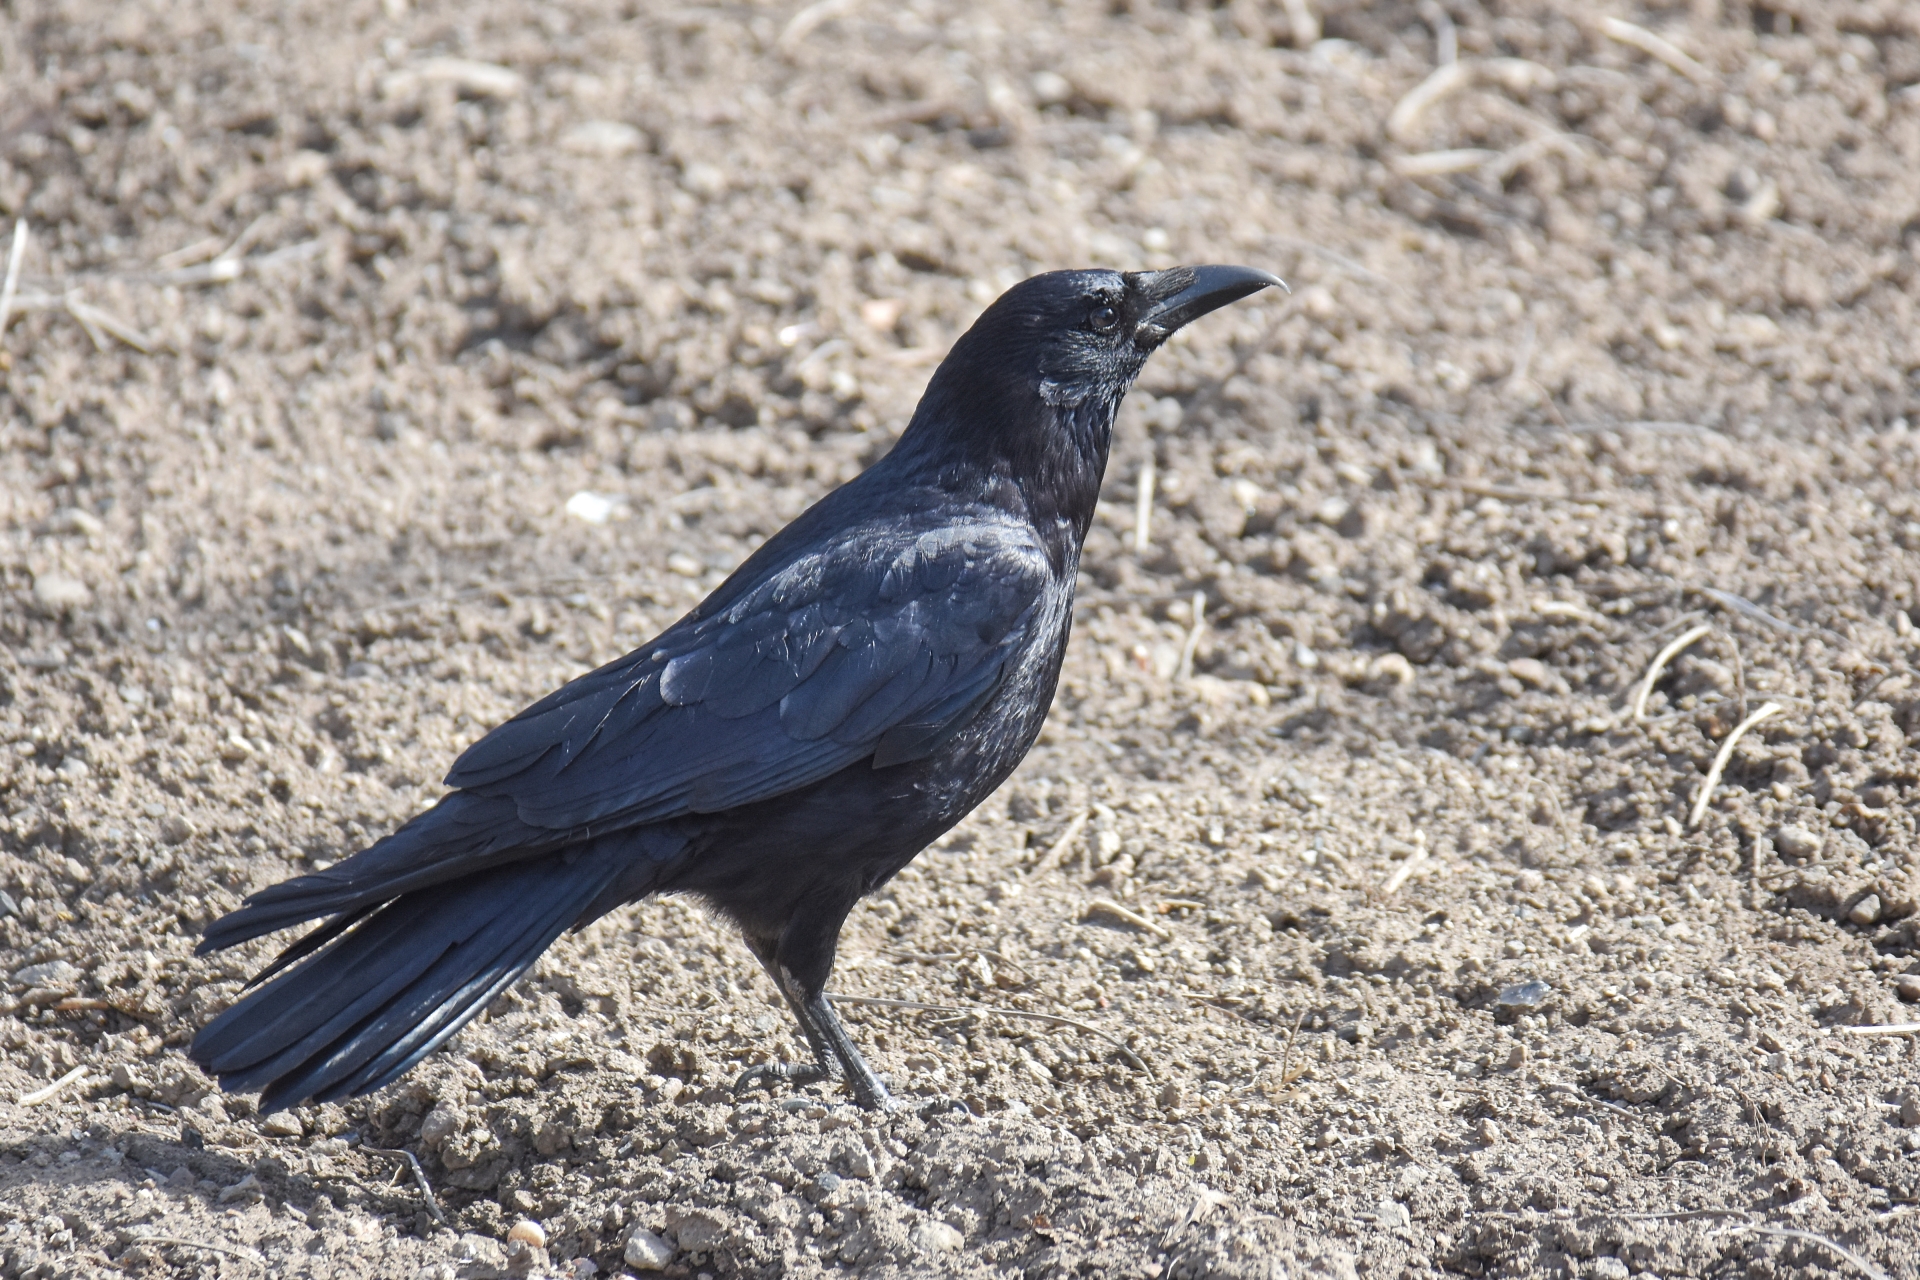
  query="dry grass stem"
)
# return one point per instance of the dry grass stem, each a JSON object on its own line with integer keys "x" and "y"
{"x": 419, "y": 1177}
{"x": 1106, "y": 906}
{"x": 1192, "y": 645}
{"x": 1866, "y": 1267}
{"x": 39, "y": 1096}
{"x": 1886, "y": 1029}
{"x": 15, "y": 255}
{"x": 1446, "y": 38}
{"x": 1748, "y": 609}
{"x": 1404, "y": 872}
{"x": 92, "y": 318}
{"x": 809, "y": 19}
{"x": 1721, "y": 757}
{"x": 1433, "y": 164}
{"x": 245, "y": 1255}
{"x": 1051, "y": 1019}
{"x": 1406, "y": 113}
{"x": 1143, "y": 510}
{"x": 1060, "y": 846}
{"x": 1659, "y": 665}
{"x": 1657, "y": 48}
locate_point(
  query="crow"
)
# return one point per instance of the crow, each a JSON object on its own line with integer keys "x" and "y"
{"x": 859, "y": 684}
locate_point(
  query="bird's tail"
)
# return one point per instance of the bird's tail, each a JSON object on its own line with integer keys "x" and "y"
{"x": 372, "y": 992}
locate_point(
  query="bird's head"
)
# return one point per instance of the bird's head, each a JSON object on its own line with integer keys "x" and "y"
{"x": 1085, "y": 334}
{"x": 1037, "y": 379}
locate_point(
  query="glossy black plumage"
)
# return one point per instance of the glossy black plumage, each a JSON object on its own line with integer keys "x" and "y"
{"x": 860, "y": 683}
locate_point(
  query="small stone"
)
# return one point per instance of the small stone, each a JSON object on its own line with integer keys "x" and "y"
{"x": 1797, "y": 842}
{"x": 247, "y": 1189}
{"x": 1866, "y": 911}
{"x": 698, "y": 1230}
{"x": 60, "y": 592}
{"x": 1171, "y": 1095}
{"x": 646, "y": 1251}
{"x": 594, "y": 508}
{"x": 1910, "y": 1108}
{"x": 528, "y": 1231}
{"x": 1530, "y": 671}
{"x": 54, "y": 975}
{"x": 935, "y": 1236}
{"x": 282, "y": 1124}
{"x": 1392, "y": 1213}
{"x": 1488, "y": 1132}
{"x": 438, "y": 1125}
{"x": 1607, "y": 1268}
{"x": 601, "y": 138}
{"x": 1907, "y": 987}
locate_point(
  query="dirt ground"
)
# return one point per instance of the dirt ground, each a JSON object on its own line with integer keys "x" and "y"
{"x": 377, "y": 366}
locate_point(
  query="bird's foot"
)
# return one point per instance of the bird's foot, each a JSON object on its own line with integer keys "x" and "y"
{"x": 772, "y": 1073}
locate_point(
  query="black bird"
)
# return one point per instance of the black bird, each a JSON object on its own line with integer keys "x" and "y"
{"x": 859, "y": 684}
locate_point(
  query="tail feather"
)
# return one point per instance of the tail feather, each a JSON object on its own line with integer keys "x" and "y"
{"x": 460, "y": 836}
{"x": 381, "y": 996}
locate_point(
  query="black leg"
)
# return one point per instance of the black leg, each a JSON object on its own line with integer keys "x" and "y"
{"x": 825, "y": 1065}
{"x": 868, "y": 1089}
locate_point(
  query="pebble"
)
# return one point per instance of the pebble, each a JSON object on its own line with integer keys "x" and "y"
{"x": 934, "y": 1236}
{"x": 1797, "y": 842}
{"x": 282, "y": 1124}
{"x": 594, "y": 508}
{"x": 646, "y": 1251}
{"x": 1489, "y": 1132}
{"x": 59, "y": 592}
{"x": 1907, "y": 987}
{"x": 1866, "y": 911}
{"x": 56, "y": 975}
{"x": 601, "y": 138}
{"x": 1523, "y": 995}
{"x": 1530, "y": 671}
{"x": 1607, "y": 1268}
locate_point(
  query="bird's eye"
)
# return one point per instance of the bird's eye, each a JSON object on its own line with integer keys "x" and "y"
{"x": 1103, "y": 319}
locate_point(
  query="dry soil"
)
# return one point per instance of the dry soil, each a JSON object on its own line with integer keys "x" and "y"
{"x": 376, "y": 366}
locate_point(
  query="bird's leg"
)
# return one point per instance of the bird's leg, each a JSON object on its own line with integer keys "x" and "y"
{"x": 824, "y": 1066}
{"x": 868, "y": 1089}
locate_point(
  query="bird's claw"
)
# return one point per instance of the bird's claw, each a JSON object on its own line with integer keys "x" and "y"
{"x": 771, "y": 1073}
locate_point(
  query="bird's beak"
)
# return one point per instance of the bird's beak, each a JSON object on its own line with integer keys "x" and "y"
{"x": 1180, "y": 295}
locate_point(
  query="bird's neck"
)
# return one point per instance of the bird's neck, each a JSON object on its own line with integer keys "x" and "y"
{"x": 1042, "y": 462}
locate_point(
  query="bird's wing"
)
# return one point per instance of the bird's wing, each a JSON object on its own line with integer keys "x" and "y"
{"x": 879, "y": 646}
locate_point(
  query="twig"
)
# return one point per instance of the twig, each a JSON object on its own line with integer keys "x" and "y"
{"x": 1143, "y": 510}
{"x": 1184, "y": 672}
{"x": 1886, "y": 1029}
{"x": 1052, "y": 1019}
{"x": 1067, "y": 837}
{"x": 1660, "y": 662}
{"x": 818, "y": 14}
{"x": 1286, "y": 1055}
{"x": 1106, "y": 906}
{"x": 1402, "y": 872}
{"x": 79, "y": 311}
{"x": 1446, "y": 39}
{"x": 92, "y": 318}
{"x": 419, "y": 1176}
{"x": 1721, "y": 757}
{"x": 1866, "y": 1268}
{"x": 39, "y": 1096}
{"x": 1407, "y": 112}
{"x": 1661, "y": 50}
{"x": 1748, "y": 608}
{"x": 15, "y": 255}
{"x": 245, "y": 1255}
